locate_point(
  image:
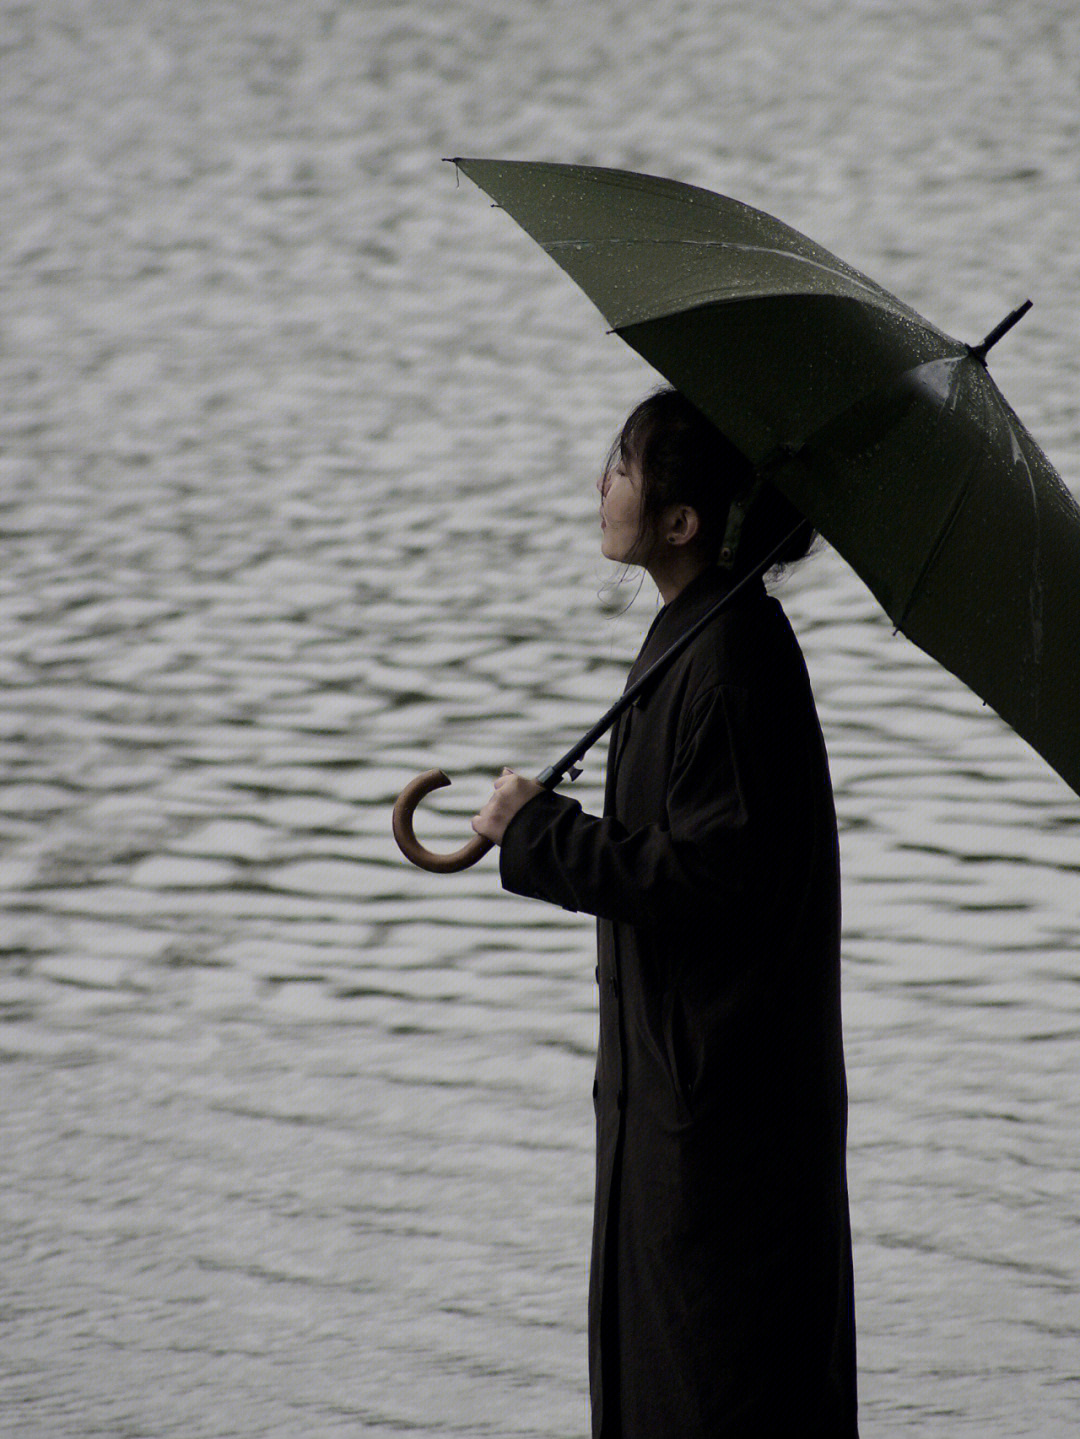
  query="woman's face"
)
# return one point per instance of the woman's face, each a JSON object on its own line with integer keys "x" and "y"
{"x": 620, "y": 489}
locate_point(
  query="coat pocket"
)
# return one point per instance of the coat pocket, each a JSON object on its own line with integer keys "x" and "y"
{"x": 679, "y": 1051}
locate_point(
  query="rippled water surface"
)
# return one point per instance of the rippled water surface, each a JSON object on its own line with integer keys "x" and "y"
{"x": 296, "y": 457}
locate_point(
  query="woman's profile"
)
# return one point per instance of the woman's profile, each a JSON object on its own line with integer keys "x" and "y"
{"x": 721, "y": 1292}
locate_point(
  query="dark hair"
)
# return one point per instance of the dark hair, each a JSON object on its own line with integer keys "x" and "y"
{"x": 684, "y": 459}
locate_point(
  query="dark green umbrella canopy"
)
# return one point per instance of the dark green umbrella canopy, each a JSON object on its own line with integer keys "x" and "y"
{"x": 885, "y": 432}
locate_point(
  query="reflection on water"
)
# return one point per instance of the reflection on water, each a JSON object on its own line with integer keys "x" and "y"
{"x": 295, "y": 501}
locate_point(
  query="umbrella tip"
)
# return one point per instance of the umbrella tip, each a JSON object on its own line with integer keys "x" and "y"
{"x": 978, "y": 352}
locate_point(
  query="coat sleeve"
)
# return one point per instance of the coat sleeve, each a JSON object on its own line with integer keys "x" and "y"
{"x": 691, "y": 862}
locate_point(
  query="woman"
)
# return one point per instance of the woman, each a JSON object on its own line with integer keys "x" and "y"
{"x": 721, "y": 1296}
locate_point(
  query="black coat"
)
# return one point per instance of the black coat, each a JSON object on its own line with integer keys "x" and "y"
{"x": 721, "y": 1295}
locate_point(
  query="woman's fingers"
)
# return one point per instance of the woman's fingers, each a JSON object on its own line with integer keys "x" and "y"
{"x": 511, "y": 791}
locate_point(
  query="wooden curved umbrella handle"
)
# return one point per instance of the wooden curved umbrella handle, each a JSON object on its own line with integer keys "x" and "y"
{"x": 411, "y": 847}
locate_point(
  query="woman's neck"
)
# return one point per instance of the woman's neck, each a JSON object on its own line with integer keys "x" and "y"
{"x": 674, "y": 569}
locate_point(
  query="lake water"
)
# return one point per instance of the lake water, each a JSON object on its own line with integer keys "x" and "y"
{"x": 296, "y": 465}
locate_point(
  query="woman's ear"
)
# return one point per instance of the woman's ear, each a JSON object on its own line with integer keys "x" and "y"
{"x": 681, "y": 524}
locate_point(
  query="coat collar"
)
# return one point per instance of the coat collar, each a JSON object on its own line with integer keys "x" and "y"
{"x": 687, "y": 607}
{"x": 685, "y": 610}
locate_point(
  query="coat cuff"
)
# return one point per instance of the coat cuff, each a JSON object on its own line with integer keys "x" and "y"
{"x": 522, "y": 842}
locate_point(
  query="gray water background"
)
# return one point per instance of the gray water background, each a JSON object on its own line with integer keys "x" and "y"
{"x": 297, "y": 447}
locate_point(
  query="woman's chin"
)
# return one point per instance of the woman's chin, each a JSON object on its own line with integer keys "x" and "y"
{"x": 618, "y": 554}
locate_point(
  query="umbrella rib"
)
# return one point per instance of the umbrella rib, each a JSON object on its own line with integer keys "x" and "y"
{"x": 842, "y": 274}
{"x": 1035, "y": 591}
{"x": 928, "y": 563}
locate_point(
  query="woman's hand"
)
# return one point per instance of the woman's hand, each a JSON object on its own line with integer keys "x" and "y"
{"x": 510, "y": 793}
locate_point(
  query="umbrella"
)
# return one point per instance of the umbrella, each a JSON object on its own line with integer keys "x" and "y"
{"x": 887, "y": 434}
